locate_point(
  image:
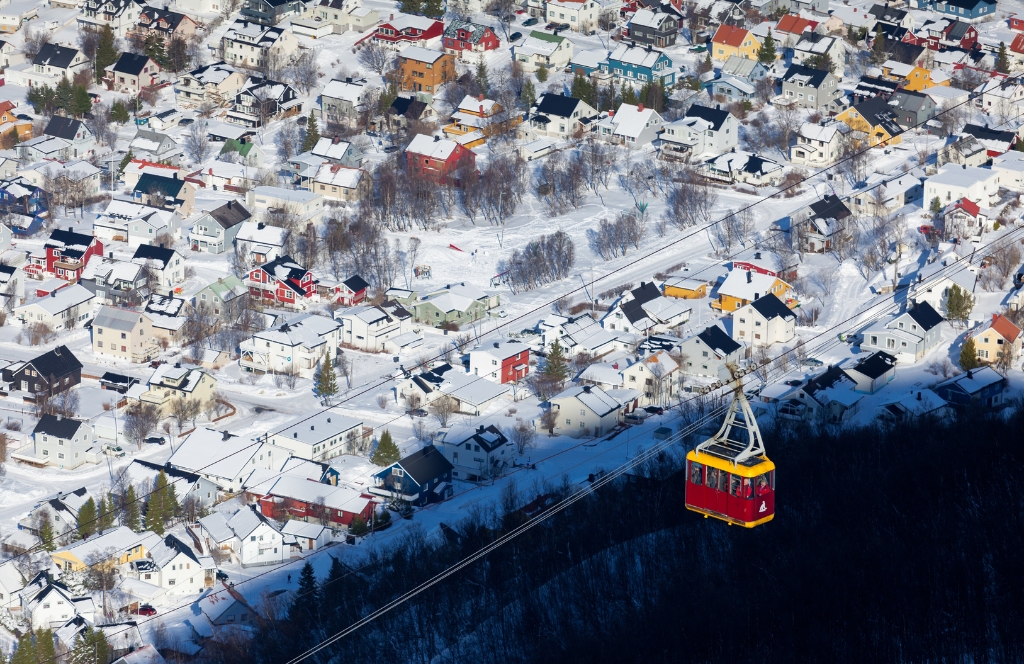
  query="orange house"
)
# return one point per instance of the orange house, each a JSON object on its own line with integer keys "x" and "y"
{"x": 9, "y": 121}
{"x": 424, "y": 70}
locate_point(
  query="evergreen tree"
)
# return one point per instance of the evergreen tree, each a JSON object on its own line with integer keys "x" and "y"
{"x": 358, "y": 526}
{"x": 628, "y": 95}
{"x": 26, "y": 652}
{"x": 556, "y": 368}
{"x": 705, "y": 66}
{"x": 529, "y": 95}
{"x": 766, "y": 54}
{"x": 82, "y": 102}
{"x": 410, "y": 6}
{"x": 583, "y": 89}
{"x": 969, "y": 355}
{"x": 41, "y": 97}
{"x": 106, "y": 513}
{"x": 119, "y": 114}
{"x": 387, "y": 452}
{"x": 301, "y": 612}
{"x": 106, "y": 52}
{"x": 155, "y": 48}
{"x": 433, "y": 8}
{"x": 156, "y": 509}
{"x": 131, "y": 510}
{"x": 332, "y": 599}
{"x": 45, "y": 651}
{"x": 959, "y": 304}
{"x": 542, "y": 74}
{"x": 327, "y": 380}
{"x": 92, "y": 648}
{"x": 1002, "y": 60}
{"x": 387, "y": 97}
{"x": 171, "y": 505}
{"x": 481, "y": 77}
{"x": 312, "y": 133}
{"x": 609, "y": 100}
{"x": 87, "y": 518}
{"x": 46, "y": 534}
{"x": 879, "y": 50}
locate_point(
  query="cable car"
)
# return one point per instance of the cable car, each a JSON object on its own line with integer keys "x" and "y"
{"x": 728, "y": 476}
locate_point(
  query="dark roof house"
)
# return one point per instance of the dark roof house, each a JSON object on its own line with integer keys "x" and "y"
{"x": 131, "y": 64}
{"x": 714, "y": 116}
{"x": 771, "y": 307}
{"x": 61, "y": 127}
{"x": 230, "y": 214}
{"x": 55, "y": 55}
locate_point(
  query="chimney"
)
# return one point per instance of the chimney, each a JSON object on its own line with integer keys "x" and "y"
{"x": 750, "y": 277}
{"x": 328, "y": 420}
{"x": 58, "y": 417}
{"x": 994, "y": 317}
{"x": 295, "y": 434}
{"x": 311, "y": 427}
{"x": 392, "y": 18}
{"x": 336, "y": 140}
{"x": 615, "y": 366}
{"x": 918, "y": 396}
{"x": 437, "y": 138}
{"x": 71, "y": 229}
{"x": 481, "y": 108}
{"x": 640, "y": 108}
{"x": 260, "y": 225}
{"x": 348, "y": 79}
{"x": 970, "y": 374}
{"x": 757, "y": 256}
{"x": 111, "y": 254}
{"x": 480, "y": 429}
{"x": 177, "y": 365}
{"x": 480, "y": 97}
{"x": 497, "y": 345}
{"x": 586, "y": 388}
{"x": 53, "y": 294}
{"x": 611, "y": 114}
{"x": 161, "y": 245}
{"x": 210, "y": 170}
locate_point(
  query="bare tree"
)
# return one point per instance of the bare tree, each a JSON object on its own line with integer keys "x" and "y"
{"x": 34, "y": 41}
{"x": 382, "y": 401}
{"x": 375, "y": 57}
{"x": 522, "y": 435}
{"x": 504, "y": 11}
{"x": 197, "y": 141}
{"x": 443, "y": 408}
{"x": 304, "y": 71}
{"x": 140, "y": 419}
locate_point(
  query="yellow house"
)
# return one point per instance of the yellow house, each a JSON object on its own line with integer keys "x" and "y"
{"x": 914, "y": 78}
{"x": 685, "y": 288}
{"x": 874, "y": 120}
{"x": 170, "y": 383}
{"x": 477, "y": 119}
{"x": 730, "y": 40}
{"x": 996, "y": 339}
{"x": 741, "y": 287}
{"x": 124, "y": 544}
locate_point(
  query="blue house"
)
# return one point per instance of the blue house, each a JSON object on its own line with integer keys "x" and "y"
{"x": 640, "y": 64}
{"x": 421, "y": 478}
{"x": 25, "y": 203}
{"x": 731, "y": 88}
{"x": 964, "y": 10}
{"x": 981, "y": 388}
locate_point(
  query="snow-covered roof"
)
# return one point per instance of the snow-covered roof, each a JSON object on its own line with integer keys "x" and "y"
{"x": 258, "y": 233}
{"x": 350, "y": 91}
{"x": 734, "y": 162}
{"x": 307, "y": 330}
{"x": 313, "y": 429}
{"x": 433, "y": 147}
{"x": 120, "y": 539}
{"x": 816, "y": 132}
{"x": 338, "y": 176}
{"x": 635, "y": 55}
{"x": 746, "y": 285}
{"x": 592, "y": 397}
{"x": 205, "y": 451}
{"x": 959, "y": 176}
{"x": 420, "y": 54}
{"x": 61, "y": 300}
{"x": 630, "y": 121}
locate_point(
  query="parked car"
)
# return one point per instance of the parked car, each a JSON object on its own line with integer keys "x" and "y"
{"x": 655, "y": 410}
{"x": 419, "y": 412}
{"x": 146, "y": 610}
{"x": 156, "y": 440}
{"x": 515, "y": 36}
{"x": 633, "y": 418}
{"x": 113, "y": 450}
{"x": 184, "y": 122}
{"x": 391, "y": 148}
{"x": 556, "y": 26}
{"x": 794, "y": 383}
{"x": 222, "y": 575}
{"x": 533, "y": 20}
{"x": 813, "y": 362}
{"x": 699, "y": 48}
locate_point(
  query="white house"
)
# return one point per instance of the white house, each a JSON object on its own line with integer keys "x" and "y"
{"x": 51, "y": 64}
{"x": 541, "y": 49}
{"x": 953, "y": 182}
{"x": 249, "y": 44}
{"x": 500, "y": 361}
{"x": 558, "y": 116}
{"x": 49, "y": 604}
{"x": 764, "y": 322}
{"x": 818, "y": 145}
{"x": 701, "y": 133}
{"x": 477, "y": 454}
{"x": 298, "y": 345}
{"x": 259, "y": 242}
{"x": 584, "y": 410}
{"x": 581, "y": 16}
{"x": 369, "y": 327}
{"x": 166, "y": 266}
{"x": 305, "y": 205}
{"x": 260, "y": 542}
{"x": 1010, "y": 167}
{"x": 120, "y": 15}
{"x": 224, "y": 459}
{"x": 64, "y": 308}
{"x": 644, "y": 310}
{"x": 632, "y": 126}
{"x": 708, "y": 353}
{"x": 908, "y": 336}
{"x": 319, "y": 437}
{"x": 176, "y": 567}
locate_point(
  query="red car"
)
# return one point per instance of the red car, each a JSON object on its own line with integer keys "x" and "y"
{"x": 146, "y": 610}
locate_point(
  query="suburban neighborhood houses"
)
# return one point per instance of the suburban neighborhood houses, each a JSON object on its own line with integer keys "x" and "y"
{"x": 285, "y": 286}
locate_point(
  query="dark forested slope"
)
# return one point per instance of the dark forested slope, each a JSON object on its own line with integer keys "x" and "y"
{"x": 894, "y": 545}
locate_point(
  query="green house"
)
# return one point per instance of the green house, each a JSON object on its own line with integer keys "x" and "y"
{"x": 456, "y": 303}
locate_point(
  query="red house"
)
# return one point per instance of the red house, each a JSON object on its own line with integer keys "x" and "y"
{"x": 347, "y": 293}
{"x": 943, "y": 33}
{"x": 462, "y": 38}
{"x": 1017, "y": 23}
{"x": 297, "y": 498}
{"x": 436, "y": 157}
{"x": 501, "y": 361}
{"x": 68, "y": 252}
{"x": 755, "y": 264}
{"x": 401, "y": 30}
{"x": 282, "y": 280}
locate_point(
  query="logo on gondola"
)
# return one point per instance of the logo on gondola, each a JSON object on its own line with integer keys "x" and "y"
{"x": 763, "y": 507}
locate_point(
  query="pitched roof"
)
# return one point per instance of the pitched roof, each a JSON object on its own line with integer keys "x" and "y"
{"x": 875, "y": 365}
{"x": 925, "y": 315}
{"x": 130, "y": 63}
{"x": 116, "y": 319}
{"x": 988, "y": 134}
{"x": 808, "y": 75}
{"x": 425, "y": 465}
{"x": 355, "y": 283}
{"x": 716, "y": 339}
{"x": 62, "y": 127}
{"x": 771, "y": 307}
{"x": 55, "y": 55}
{"x": 791, "y": 23}
{"x": 1007, "y": 330}
{"x": 475, "y": 30}
{"x": 150, "y": 182}
{"x": 230, "y": 214}
{"x": 58, "y": 362}
{"x": 715, "y": 116}
{"x": 55, "y": 425}
{"x": 730, "y": 35}
{"x": 830, "y": 207}
{"x": 557, "y": 105}
{"x": 151, "y": 252}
